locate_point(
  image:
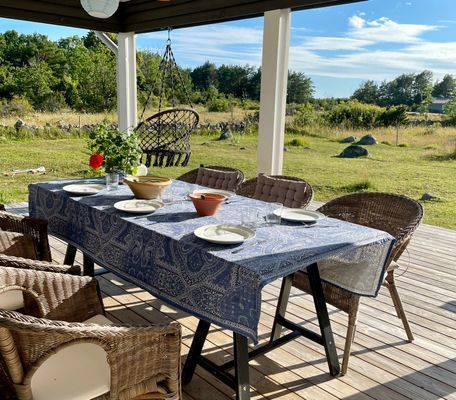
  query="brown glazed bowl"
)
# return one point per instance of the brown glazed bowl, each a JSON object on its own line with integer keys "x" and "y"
{"x": 147, "y": 187}
{"x": 207, "y": 204}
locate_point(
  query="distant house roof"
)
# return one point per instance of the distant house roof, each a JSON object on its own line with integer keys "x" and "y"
{"x": 440, "y": 100}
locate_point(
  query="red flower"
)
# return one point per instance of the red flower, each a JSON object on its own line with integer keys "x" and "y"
{"x": 96, "y": 160}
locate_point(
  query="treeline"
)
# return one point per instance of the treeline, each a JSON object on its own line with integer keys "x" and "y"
{"x": 415, "y": 91}
{"x": 80, "y": 73}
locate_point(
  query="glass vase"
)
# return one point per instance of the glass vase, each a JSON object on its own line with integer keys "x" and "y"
{"x": 112, "y": 180}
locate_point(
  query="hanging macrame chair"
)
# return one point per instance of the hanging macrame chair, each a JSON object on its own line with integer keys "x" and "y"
{"x": 165, "y": 136}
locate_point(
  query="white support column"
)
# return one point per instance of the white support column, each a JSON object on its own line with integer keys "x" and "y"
{"x": 126, "y": 81}
{"x": 273, "y": 98}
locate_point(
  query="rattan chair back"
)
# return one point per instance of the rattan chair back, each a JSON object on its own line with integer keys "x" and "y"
{"x": 191, "y": 176}
{"x": 166, "y": 137}
{"x": 248, "y": 188}
{"x": 33, "y": 227}
{"x": 144, "y": 361}
{"x": 396, "y": 214}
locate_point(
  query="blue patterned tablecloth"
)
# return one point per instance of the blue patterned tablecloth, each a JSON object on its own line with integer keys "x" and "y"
{"x": 161, "y": 254}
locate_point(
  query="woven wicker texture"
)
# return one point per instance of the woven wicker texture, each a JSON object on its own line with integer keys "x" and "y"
{"x": 249, "y": 187}
{"x": 398, "y": 215}
{"x": 166, "y": 137}
{"x": 35, "y": 228}
{"x": 143, "y": 360}
{"x": 18, "y": 262}
{"x": 225, "y": 184}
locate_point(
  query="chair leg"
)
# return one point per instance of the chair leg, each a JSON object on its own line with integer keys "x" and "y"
{"x": 352, "y": 318}
{"x": 391, "y": 285}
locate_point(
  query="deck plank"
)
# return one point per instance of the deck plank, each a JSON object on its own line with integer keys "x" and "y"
{"x": 383, "y": 365}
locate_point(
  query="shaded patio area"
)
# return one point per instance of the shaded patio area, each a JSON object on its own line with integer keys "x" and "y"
{"x": 383, "y": 364}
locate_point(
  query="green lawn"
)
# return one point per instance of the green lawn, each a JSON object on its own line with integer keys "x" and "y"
{"x": 407, "y": 170}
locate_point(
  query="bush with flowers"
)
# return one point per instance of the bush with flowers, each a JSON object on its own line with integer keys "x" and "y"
{"x": 113, "y": 150}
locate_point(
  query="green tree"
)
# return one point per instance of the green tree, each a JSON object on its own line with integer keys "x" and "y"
{"x": 445, "y": 88}
{"x": 368, "y": 93}
{"x": 300, "y": 88}
{"x": 204, "y": 76}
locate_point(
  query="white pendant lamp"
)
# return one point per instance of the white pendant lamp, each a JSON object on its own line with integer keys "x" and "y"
{"x": 100, "y": 8}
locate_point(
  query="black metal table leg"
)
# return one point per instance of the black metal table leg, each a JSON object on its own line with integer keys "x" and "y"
{"x": 89, "y": 265}
{"x": 70, "y": 255}
{"x": 195, "y": 351}
{"x": 241, "y": 367}
{"x": 281, "y": 307}
{"x": 323, "y": 320}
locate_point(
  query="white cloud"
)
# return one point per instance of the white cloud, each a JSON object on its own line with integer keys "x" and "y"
{"x": 356, "y": 22}
{"x": 375, "y": 49}
{"x": 386, "y": 30}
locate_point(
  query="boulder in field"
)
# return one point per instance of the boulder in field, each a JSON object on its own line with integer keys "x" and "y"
{"x": 430, "y": 197}
{"x": 354, "y": 151}
{"x": 367, "y": 140}
{"x": 349, "y": 139}
{"x": 19, "y": 124}
{"x": 227, "y": 135}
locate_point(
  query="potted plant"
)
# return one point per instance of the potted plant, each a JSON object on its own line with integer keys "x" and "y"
{"x": 115, "y": 151}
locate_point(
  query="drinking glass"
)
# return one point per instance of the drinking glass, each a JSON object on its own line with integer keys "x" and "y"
{"x": 168, "y": 196}
{"x": 249, "y": 217}
{"x": 274, "y": 214}
{"x": 112, "y": 181}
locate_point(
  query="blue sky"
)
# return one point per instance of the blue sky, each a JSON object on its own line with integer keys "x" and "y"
{"x": 339, "y": 47}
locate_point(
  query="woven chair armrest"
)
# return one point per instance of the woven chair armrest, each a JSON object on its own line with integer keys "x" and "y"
{"x": 55, "y": 296}
{"x": 138, "y": 356}
{"x": 7, "y": 219}
{"x": 37, "y": 228}
{"x": 24, "y": 263}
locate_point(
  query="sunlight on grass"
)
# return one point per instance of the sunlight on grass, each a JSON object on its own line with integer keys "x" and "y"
{"x": 406, "y": 170}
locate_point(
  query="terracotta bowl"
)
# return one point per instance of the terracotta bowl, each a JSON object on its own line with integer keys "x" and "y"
{"x": 147, "y": 187}
{"x": 207, "y": 204}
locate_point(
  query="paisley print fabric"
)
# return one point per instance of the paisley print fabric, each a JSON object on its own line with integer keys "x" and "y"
{"x": 221, "y": 284}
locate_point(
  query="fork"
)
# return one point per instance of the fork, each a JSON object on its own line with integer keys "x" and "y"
{"x": 243, "y": 248}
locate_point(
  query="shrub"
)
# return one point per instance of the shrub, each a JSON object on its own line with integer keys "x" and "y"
{"x": 450, "y": 111}
{"x": 393, "y": 116}
{"x": 353, "y": 114}
{"x": 360, "y": 186}
{"x": 403, "y": 145}
{"x": 298, "y": 142}
{"x": 17, "y": 106}
{"x": 218, "y": 105}
{"x": 250, "y": 105}
{"x": 305, "y": 115}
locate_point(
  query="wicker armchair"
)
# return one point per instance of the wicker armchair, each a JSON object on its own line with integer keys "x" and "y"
{"x": 249, "y": 187}
{"x": 31, "y": 227}
{"x": 398, "y": 215}
{"x": 56, "y": 352}
{"x": 192, "y": 177}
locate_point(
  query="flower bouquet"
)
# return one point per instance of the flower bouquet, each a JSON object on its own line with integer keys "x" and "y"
{"x": 115, "y": 151}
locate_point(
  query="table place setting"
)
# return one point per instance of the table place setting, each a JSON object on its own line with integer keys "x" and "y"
{"x": 185, "y": 258}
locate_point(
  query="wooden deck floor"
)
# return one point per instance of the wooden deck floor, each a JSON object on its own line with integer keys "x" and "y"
{"x": 383, "y": 364}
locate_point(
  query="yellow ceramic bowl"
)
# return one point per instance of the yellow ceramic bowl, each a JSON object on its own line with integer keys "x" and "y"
{"x": 147, "y": 187}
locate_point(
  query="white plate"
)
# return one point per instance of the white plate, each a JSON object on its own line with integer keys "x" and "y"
{"x": 300, "y": 215}
{"x": 224, "y": 233}
{"x": 225, "y": 193}
{"x": 138, "y": 206}
{"x": 84, "y": 189}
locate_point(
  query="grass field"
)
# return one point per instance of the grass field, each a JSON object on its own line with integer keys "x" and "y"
{"x": 410, "y": 170}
